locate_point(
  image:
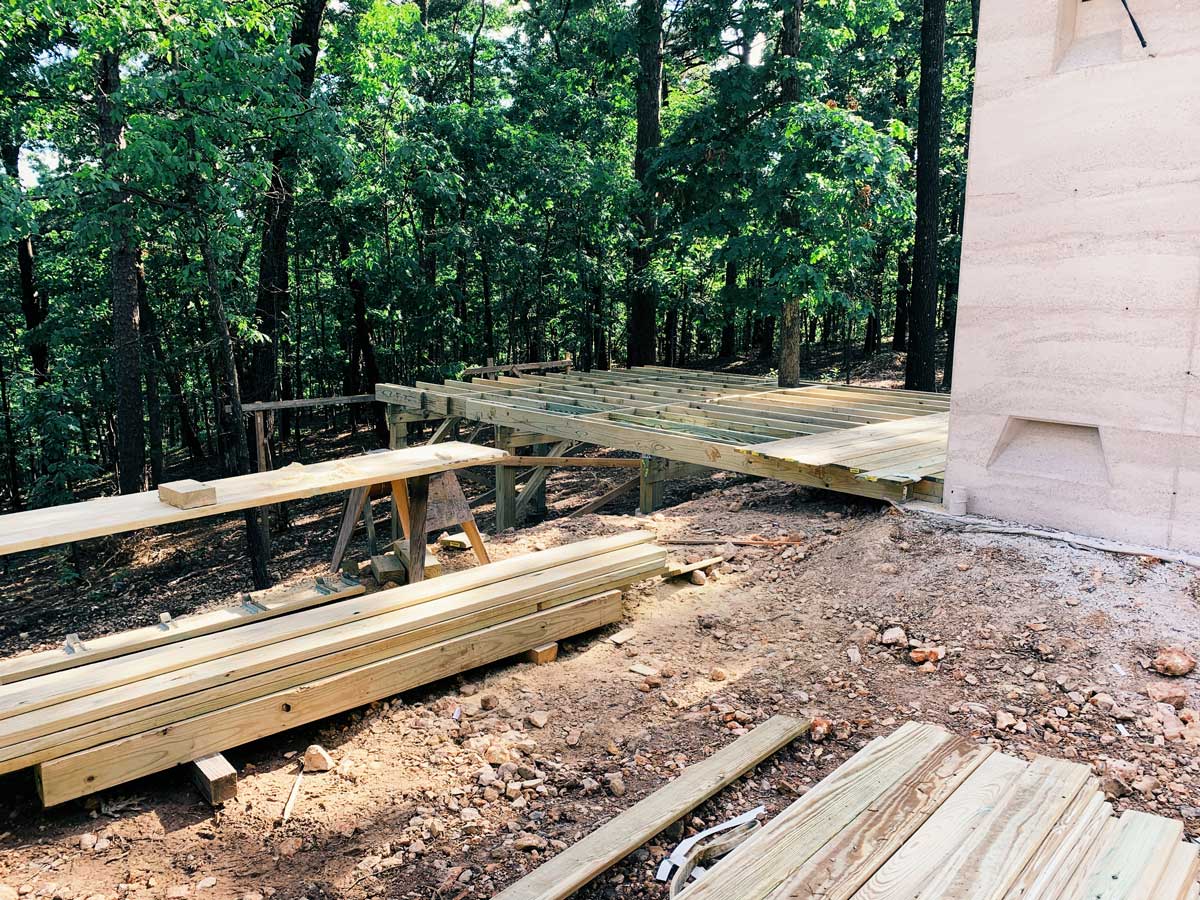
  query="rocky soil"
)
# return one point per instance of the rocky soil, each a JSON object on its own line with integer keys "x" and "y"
{"x": 861, "y": 616}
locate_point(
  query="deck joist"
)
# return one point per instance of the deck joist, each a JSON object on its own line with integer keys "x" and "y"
{"x": 872, "y": 442}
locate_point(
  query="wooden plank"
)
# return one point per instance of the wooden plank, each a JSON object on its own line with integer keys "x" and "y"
{"x": 758, "y": 868}
{"x": 41, "y": 713}
{"x": 620, "y": 836}
{"x": 248, "y": 408}
{"x": 519, "y": 367}
{"x": 39, "y": 528}
{"x": 932, "y": 847}
{"x": 606, "y": 498}
{"x": 215, "y": 778}
{"x": 254, "y": 607}
{"x": 1179, "y": 874}
{"x": 187, "y": 494}
{"x": 984, "y": 863}
{"x": 88, "y": 771}
{"x": 579, "y": 462}
{"x": 1050, "y": 869}
{"x": 842, "y": 866}
{"x": 1132, "y": 863}
{"x": 540, "y": 656}
{"x": 210, "y": 640}
{"x": 224, "y": 694}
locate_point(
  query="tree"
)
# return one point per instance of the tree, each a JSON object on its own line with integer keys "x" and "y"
{"x": 921, "y": 369}
{"x": 643, "y": 300}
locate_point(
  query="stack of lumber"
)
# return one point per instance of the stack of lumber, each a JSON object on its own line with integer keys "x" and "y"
{"x": 105, "y": 721}
{"x": 924, "y": 814}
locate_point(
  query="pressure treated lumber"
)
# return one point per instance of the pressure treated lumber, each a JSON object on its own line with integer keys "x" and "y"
{"x": 59, "y": 687}
{"x": 766, "y": 860}
{"x": 1132, "y": 863}
{"x": 44, "y": 713}
{"x": 187, "y": 494}
{"x": 254, "y": 607}
{"x": 92, "y": 733}
{"x": 39, "y": 528}
{"x": 579, "y": 462}
{"x": 704, "y": 418}
{"x": 612, "y": 842}
{"x": 91, "y": 770}
{"x": 215, "y": 778}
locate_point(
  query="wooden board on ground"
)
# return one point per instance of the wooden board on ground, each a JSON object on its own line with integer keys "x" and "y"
{"x": 39, "y": 528}
{"x": 83, "y": 773}
{"x": 215, "y": 778}
{"x": 608, "y": 845}
{"x": 923, "y": 815}
{"x": 253, "y": 607}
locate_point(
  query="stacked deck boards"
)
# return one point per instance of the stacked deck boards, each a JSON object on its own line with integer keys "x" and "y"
{"x": 859, "y": 440}
{"x": 925, "y": 815}
{"x": 96, "y": 720}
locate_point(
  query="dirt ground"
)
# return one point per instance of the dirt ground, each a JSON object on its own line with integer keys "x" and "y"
{"x": 1053, "y": 636}
{"x": 1046, "y": 651}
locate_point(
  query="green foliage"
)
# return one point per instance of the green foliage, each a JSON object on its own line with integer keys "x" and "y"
{"x": 465, "y": 172}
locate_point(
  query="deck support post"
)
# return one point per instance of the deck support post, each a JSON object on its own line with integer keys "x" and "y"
{"x": 655, "y": 472}
{"x": 506, "y": 482}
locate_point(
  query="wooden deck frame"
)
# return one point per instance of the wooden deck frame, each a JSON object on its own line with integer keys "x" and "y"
{"x": 874, "y": 442}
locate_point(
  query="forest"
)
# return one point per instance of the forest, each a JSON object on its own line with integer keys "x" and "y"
{"x": 211, "y": 202}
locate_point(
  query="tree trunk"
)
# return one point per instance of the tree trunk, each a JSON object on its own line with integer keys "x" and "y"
{"x": 10, "y": 443}
{"x": 256, "y": 536}
{"x": 363, "y": 343}
{"x": 154, "y": 418}
{"x": 729, "y": 328}
{"x": 921, "y": 370}
{"x": 33, "y": 304}
{"x": 273, "y": 285}
{"x": 123, "y": 260}
{"x": 790, "y": 334}
{"x": 643, "y": 301}
{"x": 903, "y": 294}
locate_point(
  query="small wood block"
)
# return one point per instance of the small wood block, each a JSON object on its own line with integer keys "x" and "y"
{"x": 622, "y": 637}
{"x": 388, "y": 567}
{"x": 216, "y": 778}
{"x": 676, "y": 570}
{"x": 458, "y": 541}
{"x": 433, "y": 567}
{"x": 187, "y": 494}
{"x": 546, "y": 653}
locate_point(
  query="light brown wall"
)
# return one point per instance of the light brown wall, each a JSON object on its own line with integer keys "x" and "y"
{"x": 1077, "y": 359}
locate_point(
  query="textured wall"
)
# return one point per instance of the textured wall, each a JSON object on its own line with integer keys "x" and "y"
{"x": 1076, "y": 402}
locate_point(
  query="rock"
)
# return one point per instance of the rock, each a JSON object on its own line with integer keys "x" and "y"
{"x": 927, "y": 654}
{"x": 205, "y": 883}
{"x": 488, "y": 701}
{"x": 1005, "y": 720}
{"x": 178, "y": 891}
{"x": 289, "y": 846}
{"x": 894, "y": 637}
{"x": 1163, "y": 692}
{"x": 717, "y": 674}
{"x": 87, "y": 841}
{"x": 526, "y": 841}
{"x": 573, "y": 737}
{"x": 317, "y": 760}
{"x": 1114, "y": 788}
{"x": 1173, "y": 661}
{"x": 697, "y": 576}
{"x": 538, "y": 718}
{"x": 615, "y": 784}
{"x": 470, "y": 814}
{"x": 854, "y": 655}
{"x": 819, "y": 729}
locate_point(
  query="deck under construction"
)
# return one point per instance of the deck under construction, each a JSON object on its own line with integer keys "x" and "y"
{"x": 872, "y": 442}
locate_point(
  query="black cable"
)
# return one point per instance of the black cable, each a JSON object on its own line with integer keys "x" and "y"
{"x": 1136, "y": 27}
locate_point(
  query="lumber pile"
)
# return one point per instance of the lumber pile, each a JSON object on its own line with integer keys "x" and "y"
{"x": 925, "y": 814}
{"x": 102, "y": 722}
